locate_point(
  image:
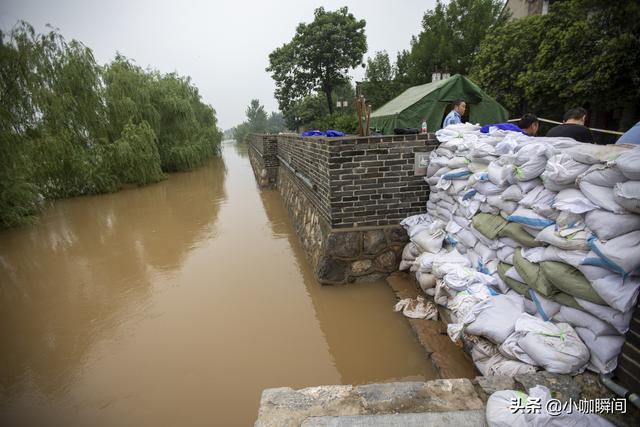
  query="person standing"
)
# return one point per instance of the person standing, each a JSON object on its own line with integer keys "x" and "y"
{"x": 573, "y": 126}
{"x": 455, "y": 116}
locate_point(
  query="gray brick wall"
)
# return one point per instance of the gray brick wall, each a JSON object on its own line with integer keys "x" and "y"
{"x": 353, "y": 181}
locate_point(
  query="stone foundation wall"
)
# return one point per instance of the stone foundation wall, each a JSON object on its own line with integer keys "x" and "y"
{"x": 340, "y": 256}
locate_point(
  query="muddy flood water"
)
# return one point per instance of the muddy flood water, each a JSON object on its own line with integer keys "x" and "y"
{"x": 177, "y": 304}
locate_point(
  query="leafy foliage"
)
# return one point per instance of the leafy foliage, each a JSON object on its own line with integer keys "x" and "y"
{"x": 450, "y": 37}
{"x": 318, "y": 57}
{"x": 380, "y": 85}
{"x": 583, "y": 52}
{"x": 70, "y": 127}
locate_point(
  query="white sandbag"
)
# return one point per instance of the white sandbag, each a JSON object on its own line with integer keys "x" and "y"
{"x": 601, "y": 196}
{"x": 500, "y": 365}
{"x": 488, "y": 188}
{"x": 562, "y": 169}
{"x": 443, "y": 294}
{"x": 405, "y": 265}
{"x": 582, "y": 319}
{"x": 503, "y": 205}
{"x": 605, "y": 175}
{"x": 568, "y": 416}
{"x": 538, "y": 196}
{"x": 543, "y": 307}
{"x": 591, "y": 153}
{"x": 619, "y": 320}
{"x": 500, "y": 284}
{"x": 510, "y": 348}
{"x": 481, "y": 349}
{"x": 499, "y": 174}
{"x": 494, "y": 318}
{"x": 410, "y": 252}
{"x": 491, "y": 244}
{"x": 620, "y": 255}
{"x": 620, "y": 293}
{"x": 574, "y": 257}
{"x": 487, "y": 208}
{"x": 457, "y": 162}
{"x": 505, "y": 254}
{"x": 429, "y": 241}
{"x": 535, "y": 255}
{"x": 627, "y": 195}
{"x": 527, "y": 186}
{"x": 530, "y": 161}
{"x": 555, "y": 347}
{"x": 507, "y": 241}
{"x": 425, "y": 280}
{"x": 604, "y": 350}
{"x": 555, "y": 187}
{"x": 629, "y": 163}
{"x": 530, "y": 218}
{"x": 572, "y": 200}
{"x": 499, "y": 411}
{"x": 513, "y": 274}
{"x": 486, "y": 254}
{"x": 573, "y": 242}
{"x": 461, "y": 278}
{"x": 410, "y": 221}
{"x": 512, "y": 193}
{"x": 424, "y": 262}
{"x": 445, "y": 262}
{"x": 607, "y": 225}
{"x": 431, "y": 291}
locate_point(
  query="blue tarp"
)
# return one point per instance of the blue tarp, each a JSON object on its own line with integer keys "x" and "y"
{"x": 330, "y": 133}
{"x": 503, "y": 126}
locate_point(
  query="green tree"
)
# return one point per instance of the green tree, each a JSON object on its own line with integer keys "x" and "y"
{"x": 582, "y": 53}
{"x": 256, "y": 116}
{"x": 380, "y": 84}
{"x": 450, "y": 37}
{"x": 318, "y": 57}
{"x": 275, "y": 122}
{"x": 70, "y": 127}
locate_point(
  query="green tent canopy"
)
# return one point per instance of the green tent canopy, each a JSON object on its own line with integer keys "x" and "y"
{"x": 431, "y": 100}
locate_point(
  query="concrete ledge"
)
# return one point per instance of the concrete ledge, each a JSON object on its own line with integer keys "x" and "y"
{"x": 443, "y": 419}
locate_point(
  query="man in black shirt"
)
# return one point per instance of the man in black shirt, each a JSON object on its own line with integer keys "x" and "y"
{"x": 573, "y": 126}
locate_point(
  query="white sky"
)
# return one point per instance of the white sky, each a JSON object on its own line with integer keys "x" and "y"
{"x": 222, "y": 45}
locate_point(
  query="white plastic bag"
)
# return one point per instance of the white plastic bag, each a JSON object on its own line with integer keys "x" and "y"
{"x": 627, "y": 195}
{"x": 607, "y": 225}
{"x": 572, "y": 200}
{"x": 495, "y": 317}
{"x": 629, "y": 163}
{"x": 555, "y": 347}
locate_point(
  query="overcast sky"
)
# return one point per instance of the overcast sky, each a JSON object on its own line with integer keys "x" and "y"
{"x": 222, "y": 45}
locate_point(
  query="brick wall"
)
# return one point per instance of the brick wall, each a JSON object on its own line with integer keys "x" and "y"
{"x": 372, "y": 180}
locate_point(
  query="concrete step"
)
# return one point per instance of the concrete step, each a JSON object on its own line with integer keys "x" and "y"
{"x": 283, "y": 407}
{"x": 473, "y": 418}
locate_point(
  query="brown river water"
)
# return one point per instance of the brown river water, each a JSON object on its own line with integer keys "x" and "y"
{"x": 177, "y": 304}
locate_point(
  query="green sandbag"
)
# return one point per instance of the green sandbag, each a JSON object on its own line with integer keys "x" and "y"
{"x": 489, "y": 225}
{"x": 519, "y": 287}
{"x": 532, "y": 275}
{"x": 515, "y": 231}
{"x": 566, "y": 299}
{"x": 570, "y": 280}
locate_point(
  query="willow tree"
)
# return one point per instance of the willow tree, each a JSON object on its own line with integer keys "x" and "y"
{"x": 318, "y": 57}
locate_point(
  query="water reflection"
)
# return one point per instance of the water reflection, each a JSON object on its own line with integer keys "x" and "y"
{"x": 67, "y": 280}
{"x": 367, "y": 340}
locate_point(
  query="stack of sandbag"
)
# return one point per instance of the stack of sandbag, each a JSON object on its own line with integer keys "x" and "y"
{"x": 550, "y": 221}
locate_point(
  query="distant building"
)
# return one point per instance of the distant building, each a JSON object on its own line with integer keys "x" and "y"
{"x": 523, "y": 8}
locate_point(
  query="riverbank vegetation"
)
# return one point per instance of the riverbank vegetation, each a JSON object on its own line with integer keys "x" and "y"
{"x": 71, "y": 127}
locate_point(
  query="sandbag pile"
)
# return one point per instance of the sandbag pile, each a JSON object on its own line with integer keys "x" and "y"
{"x": 533, "y": 244}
